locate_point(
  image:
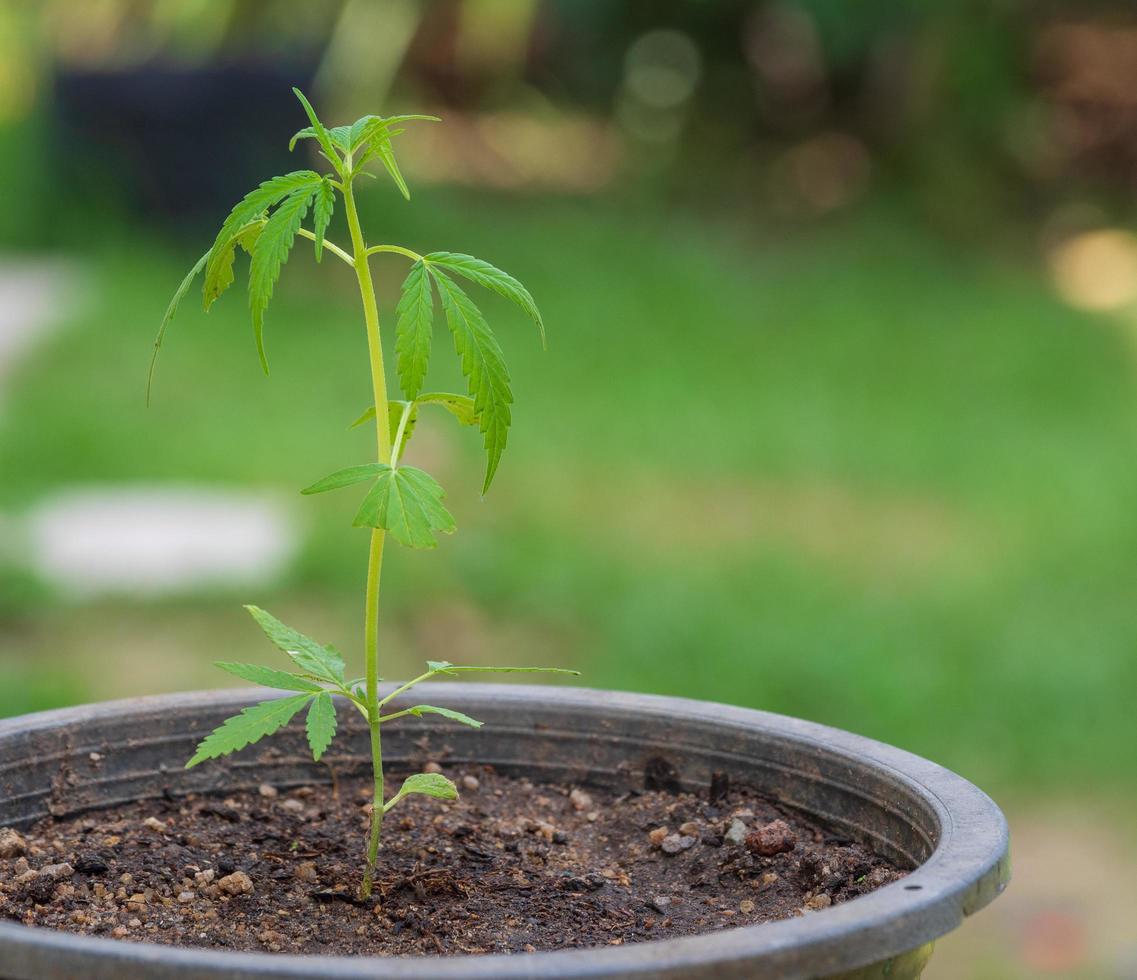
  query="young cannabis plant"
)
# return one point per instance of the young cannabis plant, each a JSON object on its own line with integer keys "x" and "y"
{"x": 401, "y": 501}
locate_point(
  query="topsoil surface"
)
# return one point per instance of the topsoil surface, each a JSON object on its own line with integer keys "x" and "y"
{"x": 513, "y": 866}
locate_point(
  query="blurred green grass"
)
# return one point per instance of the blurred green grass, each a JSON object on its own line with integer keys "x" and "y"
{"x": 858, "y": 475}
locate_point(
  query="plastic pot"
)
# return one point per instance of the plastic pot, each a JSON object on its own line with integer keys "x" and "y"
{"x": 906, "y": 808}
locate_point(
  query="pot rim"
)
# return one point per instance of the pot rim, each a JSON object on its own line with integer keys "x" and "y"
{"x": 968, "y": 868}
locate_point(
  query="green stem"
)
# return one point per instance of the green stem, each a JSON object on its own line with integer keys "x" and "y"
{"x": 375, "y": 554}
{"x": 397, "y": 250}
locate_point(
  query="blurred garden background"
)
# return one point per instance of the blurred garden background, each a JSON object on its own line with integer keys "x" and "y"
{"x": 838, "y": 416}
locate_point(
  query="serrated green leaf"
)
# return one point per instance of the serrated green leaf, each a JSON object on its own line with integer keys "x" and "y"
{"x": 268, "y": 677}
{"x": 414, "y": 329}
{"x": 348, "y": 476}
{"x": 375, "y": 132}
{"x": 444, "y": 667}
{"x": 251, "y": 725}
{"x": 381, "y": 147}
{"x": 428, "y": 784}
{"x": 367, "y": 126}
{"x": 481, "y": 272}
{"x": 321, "y": 724}
{"x": 322, "y": 214}
{"x": 171, "y": 310}
{"x": 429, "y": 709}
{"x": 483, "y": 366}
{"x": 311, "y": 657}
{"x": 219, "y": 266}
{"x": 369, "y": 414}
{"x": 460, "y": 406}
{"x": 339, "y": 135}
{"x": 271, "y": 252}
{"x": 358, "y": 129}
{"x": 407, "y": 502}
{"x": 318, "y": 129}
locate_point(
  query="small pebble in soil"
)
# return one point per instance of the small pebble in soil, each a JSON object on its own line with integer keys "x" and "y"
{"x": 736, "y": 833}
{"x": 746, "y": 906}
{"x": 154, "y": 824}
{"x": 238, "y": 883}
{"x": 12, "y": 844}
{"x": 268, "y": 792}
{"x": 470, "y": 783}
{"x": 676, "y": 843}
{"x": 432, "y": 767}
{"x": 776, "y": 837}
{"x": 580, "y": 800}
{"x": 658, "y": 835}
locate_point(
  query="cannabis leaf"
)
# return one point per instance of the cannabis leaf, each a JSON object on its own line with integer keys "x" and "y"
{"x": 171, "y": 310}
{"x": 323, "y": 662}
{"x": 445, "y": 667}
{"x": 429, "y": 709}
{"x": 483, "y": 274}
{"x": 381, "y": 147}
{"x": 318, "y": 130}
{"x": 268, "y": 677}
{"x": 350, "y": 138}
{"x": 219, "y": 267}
{"x": 428, "y": 784}
{"x": 251, "y": 725}
{"x": 407, "y": 502}
{"x": 483, "y": 366}
{"x": 460, "y": 406}
{"x": 321, "y": 724}
{"x": 376, "y": 133}
{"x": 270, "y": 253}
{"x": 413, "y": 329}
{"x": 346, "y": 477}
{"x": 322, "y": 213}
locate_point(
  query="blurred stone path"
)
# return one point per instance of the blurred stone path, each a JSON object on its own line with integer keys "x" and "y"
{"x": 34, "y": 295}
{"x": 87, "y": 541}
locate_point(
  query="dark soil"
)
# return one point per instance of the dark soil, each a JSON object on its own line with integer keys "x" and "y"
{"x": 513, "y": 866}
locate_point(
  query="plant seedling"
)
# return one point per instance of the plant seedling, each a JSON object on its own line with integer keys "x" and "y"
{"x": 401, "y": 501}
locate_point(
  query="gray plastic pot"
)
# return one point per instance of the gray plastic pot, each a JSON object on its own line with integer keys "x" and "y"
{"x": 908, "y": 809}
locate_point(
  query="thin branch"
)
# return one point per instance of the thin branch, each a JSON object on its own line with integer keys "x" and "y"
{"x": 335, "y": 249}
{"x": 397, "y": 249}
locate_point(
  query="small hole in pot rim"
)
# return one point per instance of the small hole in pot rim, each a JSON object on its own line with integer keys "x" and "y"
{"x": 913, "y": 888}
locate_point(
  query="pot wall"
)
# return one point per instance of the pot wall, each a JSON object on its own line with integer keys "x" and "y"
{"x": 910, "y": 810}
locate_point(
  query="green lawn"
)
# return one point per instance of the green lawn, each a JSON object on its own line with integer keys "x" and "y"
{"x": 859, "y": 476}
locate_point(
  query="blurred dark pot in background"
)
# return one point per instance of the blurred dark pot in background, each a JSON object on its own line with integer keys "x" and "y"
{"x": 910, "y": 810}
{"x": 179, "y": 142}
